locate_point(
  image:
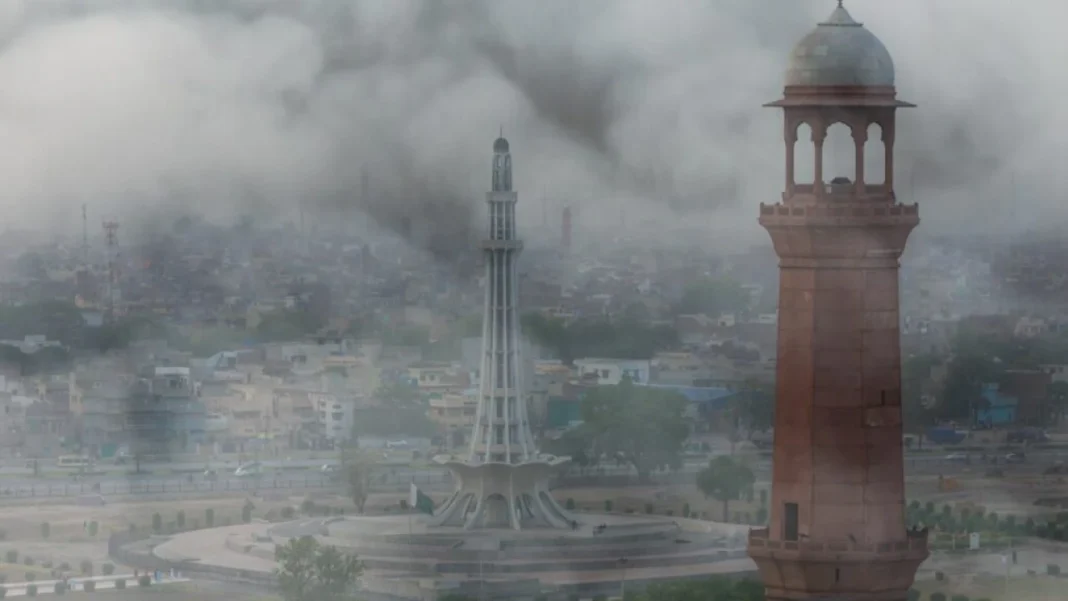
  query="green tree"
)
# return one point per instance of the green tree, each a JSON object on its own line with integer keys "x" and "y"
{"x": 357, "y": 471}
{"x": 758, "y": 405}
{"x": 915, "y": 372}
{"x": 575, "y": 443}
{"x": 724, "y": 479}
{"x": 1058, "y": 396}
{"x": 968, "y": 371}
{"x": 641, "y": 426}
{"x": 309, "y": 571}
{"x": 709, "y": 589}
{"x": 398, "y": 393}
{"x": 713, "y": 296}
{"x": 600, "y": 337}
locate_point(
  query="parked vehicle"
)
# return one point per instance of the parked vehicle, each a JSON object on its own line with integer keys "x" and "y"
{"x": 249, "y": 470}
{"x": 1015, "y": 458}
{"x": 75, "y": 462}
{"x": 1027, "y": 435}
{"x": 946, "y": 435}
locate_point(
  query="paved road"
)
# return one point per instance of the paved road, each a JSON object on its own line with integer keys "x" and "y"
{"x": 397, "y": 478}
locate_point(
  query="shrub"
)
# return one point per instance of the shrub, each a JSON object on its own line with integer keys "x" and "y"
{"x": 12, "y": 556}
{"x": 107, "y": 569}
{"x": 1053, "y": 569}
{"x": 27, "y": 560}
{"x": 648, "y": 508}
{"x": 64, "y": 566}
{"x": 570, "y": 504}
{"x": 288, "y": 511}
{"x": 46, "y": 563}
{"x": 940, "y": 576}
{"x": 31, "y": 576}
{"x": 46, "y": 529}
{"x": 31, "y": 591}
{"x": 209, "y": 517}
{"x": 89, "y": 586}
{"x": 960, "y": 598}
{"x": 686, "y": 510}
{"x": 180, "y": 519}
{"x": 157, "y": 523}
{"x": 608, "y": 505}
{"x": 146, "y": 580}
{"x": 762, "y": 515}
{"x": 60, "y": 588}
{"x": 246, "y": 511}
{"x": 93, "y": 528}
{"x": 86, "y": 567}
{"x": 120, "y": 583}
{"x": 763, "y": 496}
{"x": 914, "y": 595}
{"x": 937, "y": 597}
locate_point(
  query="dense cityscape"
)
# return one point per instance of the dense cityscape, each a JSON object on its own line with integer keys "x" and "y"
{"x": 412, "y": 395}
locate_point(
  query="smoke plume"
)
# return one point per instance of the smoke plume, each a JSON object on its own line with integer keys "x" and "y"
{"x": 615, "y": 105}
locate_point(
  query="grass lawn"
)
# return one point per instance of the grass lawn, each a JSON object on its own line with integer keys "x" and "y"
{"x": 1019, "y": 588}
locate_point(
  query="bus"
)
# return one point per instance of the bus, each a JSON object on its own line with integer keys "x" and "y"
{"x": 74, "y": 462}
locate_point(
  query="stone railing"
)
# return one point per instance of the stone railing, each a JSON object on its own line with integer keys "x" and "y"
{"x": 840, "y": 211}
{"x": 915, "y": 541}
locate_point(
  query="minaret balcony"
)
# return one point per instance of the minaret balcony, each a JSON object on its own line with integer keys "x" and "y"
{"x": 846, "y": 214}
{"x": 491, "y": 244}
{"x": 761, "y": 543}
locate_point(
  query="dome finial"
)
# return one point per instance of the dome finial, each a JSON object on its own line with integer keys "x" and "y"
{"x": 840, "y": 4}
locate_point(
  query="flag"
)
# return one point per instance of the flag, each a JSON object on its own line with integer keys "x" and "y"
{"x": 417, "y": 500}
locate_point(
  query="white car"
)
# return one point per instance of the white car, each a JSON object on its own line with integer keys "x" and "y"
{"x": 249, "y": 469}
{"x": 396, "y": 444}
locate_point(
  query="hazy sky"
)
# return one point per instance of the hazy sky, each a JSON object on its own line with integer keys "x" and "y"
{"x": 250, "y": 105}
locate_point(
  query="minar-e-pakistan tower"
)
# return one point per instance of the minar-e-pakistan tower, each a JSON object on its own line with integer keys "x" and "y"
{"x": 503, "y": 480}
{"x": 837, "y": 517}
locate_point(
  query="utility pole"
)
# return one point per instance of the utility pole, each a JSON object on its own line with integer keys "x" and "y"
{"x": 85, "y": 237}
{"x": 111, "y": 233}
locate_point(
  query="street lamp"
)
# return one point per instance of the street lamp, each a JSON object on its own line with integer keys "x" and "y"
{"x": 622, "y": 561}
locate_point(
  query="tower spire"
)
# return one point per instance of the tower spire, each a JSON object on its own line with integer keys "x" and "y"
{"x": 502, "y": 479}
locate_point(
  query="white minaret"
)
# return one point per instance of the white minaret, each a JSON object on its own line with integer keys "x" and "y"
{"x": 503, "y": 480}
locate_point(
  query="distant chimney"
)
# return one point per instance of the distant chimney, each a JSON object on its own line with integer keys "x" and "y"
{"x": 565, "y": 226}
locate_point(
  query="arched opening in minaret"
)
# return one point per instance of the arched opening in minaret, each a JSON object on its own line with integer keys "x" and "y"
{"x": 839, "y": 154}
{"x": 875, "y": 156}
{"x": 804, "y": 156}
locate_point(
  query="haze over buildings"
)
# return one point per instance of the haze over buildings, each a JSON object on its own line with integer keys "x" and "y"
{"x": 156, "y": 107}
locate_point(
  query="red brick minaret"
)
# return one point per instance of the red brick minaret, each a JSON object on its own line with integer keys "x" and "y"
{"x": 837, "y": 517}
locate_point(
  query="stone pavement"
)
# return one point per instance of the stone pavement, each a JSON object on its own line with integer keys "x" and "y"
{"x": 209, "y": 547}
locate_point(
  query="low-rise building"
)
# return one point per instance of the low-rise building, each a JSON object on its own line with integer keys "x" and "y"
{"x": 610, "y": 372}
